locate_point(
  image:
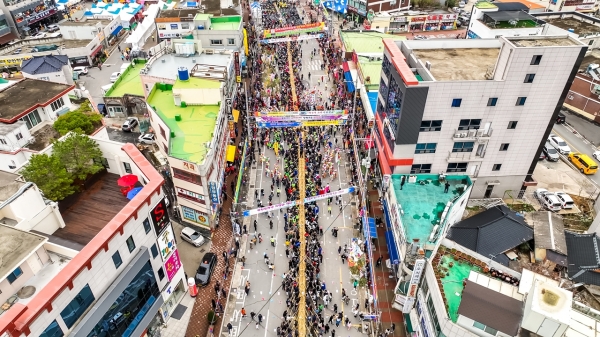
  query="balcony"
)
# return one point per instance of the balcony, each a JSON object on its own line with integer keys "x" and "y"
{"x": 472, "y": 135}
{"x": 465, "y": 156}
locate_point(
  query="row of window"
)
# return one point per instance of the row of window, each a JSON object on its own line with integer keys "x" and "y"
{"x": 492, "y": 101}
{"x": 59, "y": 103}
{"x": 219, "y": 42}
{"x": 458, "y": 147}
{"x": 452, "y": 167}
{"x": 464, "y": 124}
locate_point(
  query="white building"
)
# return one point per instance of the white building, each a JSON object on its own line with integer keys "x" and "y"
{"x": 53, "y": 68}
{"x": 491, "y": 20}
{"x": 475, "y": 106}
{"x": 115, "y": 261}
{"x": 27, "y": 106}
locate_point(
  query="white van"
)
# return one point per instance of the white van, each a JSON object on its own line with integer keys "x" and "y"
{"x": 106, "y": 88}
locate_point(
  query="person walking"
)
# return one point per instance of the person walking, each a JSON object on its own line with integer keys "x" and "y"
{"x": 260, "y": 317}
{"x": 329, "y": 209}
{"x": 272, "y": 241}
{"x": 446, "y": 187}
{"x": 243, "y": 312}
{"x": 229, "y": 328}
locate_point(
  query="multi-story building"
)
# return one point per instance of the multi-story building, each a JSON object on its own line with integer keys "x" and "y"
{"x": 27, "y": 106}
{"x": 25, "y": 17}
{"x": 5, "y": 33}
{"x": 112, "y": 271}
{"x": 488, "y": 117}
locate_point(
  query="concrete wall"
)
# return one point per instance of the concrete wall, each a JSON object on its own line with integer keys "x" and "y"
{"x": 29, "y": 266}
{"x": 65, "y": 76}
{"x": 467, "y": 323}
{"x": 14, "y": 144}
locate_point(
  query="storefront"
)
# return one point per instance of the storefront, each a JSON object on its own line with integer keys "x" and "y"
{"x": 433, "y": 22}
{"x": 195, "y": 216}
{"x": 96, "y": 55}
{"x": 417, "y": 23}
{"x": 398, "y": 24}
{"x": 172, "y": 295}
{"x": 79, "y": 61}
{"x": 448, "y": 22}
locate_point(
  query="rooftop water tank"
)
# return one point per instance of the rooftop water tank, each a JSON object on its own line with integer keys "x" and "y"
{"x": 183, "y": 73}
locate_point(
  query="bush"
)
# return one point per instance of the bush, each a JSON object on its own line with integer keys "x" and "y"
{"x": 82, "y": 120}
{"x": 212, "y": 318}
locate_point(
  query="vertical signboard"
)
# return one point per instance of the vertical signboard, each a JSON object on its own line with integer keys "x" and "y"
{"x": 236, "y": 59}
{"x": 159, "y": 217}
{"x": 214, "y": 195}
{"x": 413, "y": 285}
{"x": 166, "y": 242}
{"x": 172, "y": 265}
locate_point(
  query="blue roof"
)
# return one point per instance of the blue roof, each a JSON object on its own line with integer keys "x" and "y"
{"x": 373, "y": 100}
{"x": 44, "y": 64}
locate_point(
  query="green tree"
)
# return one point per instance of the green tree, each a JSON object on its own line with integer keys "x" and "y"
{"x": 50, "y": 176}
{"x": 80, "y": 155}
{"x": 81, "y": 120}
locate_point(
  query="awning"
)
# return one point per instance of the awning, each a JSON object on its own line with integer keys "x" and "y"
{"x": 231, "y": 153}
{"x": 383, "y": 163}
{"x": 409, "y": 327}
{"x": 116, "y": 31}
{"x": 349, "y": 84}
{"x": 371, "y": 228}
{"x": 386, "y": 212}
{"x": 7, "y": 38}
{"x": 95, "y": 51}
{"x": 392, "y": 249}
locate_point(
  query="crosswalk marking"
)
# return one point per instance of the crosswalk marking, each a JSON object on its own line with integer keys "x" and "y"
{"x": 313, "y": 65}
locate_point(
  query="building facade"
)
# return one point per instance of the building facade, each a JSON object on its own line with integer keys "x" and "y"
{"x": 434, "y": 116}
{"x": 25, "y": 17}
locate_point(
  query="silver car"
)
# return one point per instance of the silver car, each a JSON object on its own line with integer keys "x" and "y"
{"x": 191, "y": 236}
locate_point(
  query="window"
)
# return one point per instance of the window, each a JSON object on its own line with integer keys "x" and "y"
{"x": 77, "y": 306}
{"x": 456, "y": 102}
{"x": 512, "y": 124}
{"x": 57, "y": 104}
{"x": 457, "y": 167}
{"x": 424, "y": 288}
{"x": 166, "y": 148}
{"x": 496, "y": 167}
{"x": 32, "y": 119}
{"x": 147, "y": 227}
{"x": 162, "y": 132}
{"x": 521, "y": 100}
{"x": 426, "y": 148}
{"x": 154, "y": 251}
{"x": 469, "y": 124}
{"x": 185, "y": 25}
{"x": 130, "y": 244}
{"x": 420, "y": 168}
{"x": 492, "y": 101}
{"x": 161, "y": 273}
{"x": 53, "y": 330}
{"x": 127, "y": 167}
{"x": 433, "y": 316}
{"x": 216, "y": 42}
{"x": 117, "y": 259}
{"x": 2, "y": 141}
{"x": 19, "y": 136}
{"x": 430, "y": 126}
{"x": 485, "y": 328}
{"x": 529, "y": 78}
{"x": 536, "y": 60}
{"x": 463, "y": 147}
{"x": 187, "y": 176}
{"x": 231, "y": 42}
{"x": 12, "y": 277}
{"x": 504, "y": 146}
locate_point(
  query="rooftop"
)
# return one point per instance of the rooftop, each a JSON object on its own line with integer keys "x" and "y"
{"x": 226, "y": 22}
{"x": 8, "y": 128}
{"x": 543, "y": 41}
{"x": 93, "y": 209}
{"x": 44, "y": 64}
{"x": 448, "y": 64}
{"x": 529, "y": 4}
{"x": 129, "y": 83}
{"x": 178, "y": 13}
{"x": 549, "y": 231}
{"x": 580, "y": 27}
{"x": 166, "y": 66}
{"x": 583, "y": 258}
{"x": 424, "y": 201}
{"x": 15, "y": 246}
{"x": 371, "y": 69}
{"x": 367, "y": 42}
{"x": 85, "y": 22}
{"x": 28, "y": 94}
{"x": 510, "y": 19}
{"x": 485, "y": 5}
{"x": 7, "y": 177}
{"x": 197, "y": 122}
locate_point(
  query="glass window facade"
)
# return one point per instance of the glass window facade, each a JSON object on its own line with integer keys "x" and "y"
{"x": 12, "y": 277}
{"x": 386, "y": 66}
{"x": 132, "y": 305}
{"x": 53, "y": 330}
{"x": 147, "y": 227}
{"x": 77, "y": 306}
{"x": 32, "y": 119}
{"x": 394, "y": 104}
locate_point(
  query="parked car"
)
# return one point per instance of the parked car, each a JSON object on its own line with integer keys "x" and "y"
{"x": 207, "y": 266}
{"x": 547, "y": 199}
{"x": 38, "y": 35}
{"x": 584, "y": 163}
{"x": 129, "y": 124}
{"x": 52, "y": 28}
{"x": 81, "y": 70}
{"x": 550, "y": 152}
{"x": 114, "y": 76}
{"x": 596, "y": 155}
{"x": 565, "y": 199}
{"x": 559, "y": 144}
{"x": 147, "y": 138}
{"x": 561, "y": 118}
{"x": 190, "y": 235}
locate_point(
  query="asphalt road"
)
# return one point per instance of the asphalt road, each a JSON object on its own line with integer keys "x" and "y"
{"x": 577, "y": 143}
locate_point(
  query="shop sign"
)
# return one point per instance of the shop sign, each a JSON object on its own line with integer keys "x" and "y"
{"x": 14, "y": 61}
{"x": 352, "y": 9}
{"x": 189, "y": 166}
{"x": 236, "y": 59}
{"x": 418, "y": 19}
{"x": 195, "y": 216}
{"x": 399, "y": 19}
{"x": 174, "y": 26}
{"x": 175, "y": 34}
{"x": 159, "y": 217}
{"x": 166, "y": 242}
{"x": 417, "y": 271}
{"x": 172, "y": 265}
{"x": 449, "y": 17}
{"x": 585, "y": 7}
{"x": 214, "y": 196}
{"x": 434, "y": 17}
{"x": 41, "y": 15}
{"x": 190, "y": 195}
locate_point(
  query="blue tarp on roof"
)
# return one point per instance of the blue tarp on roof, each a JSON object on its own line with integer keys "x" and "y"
{"x": 116, "y": 31}
{"x": 349, "y": 83}
{"x": 371, "y": 227}
{"x": 339, "y": 6}
{"x": 392, "y": 249}
{"x": 373, "y": 100}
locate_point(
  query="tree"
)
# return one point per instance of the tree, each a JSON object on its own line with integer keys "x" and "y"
{"x": 81, "y": 120}
{"x": 79, "y": 154}
{"x": 50, "y": 176}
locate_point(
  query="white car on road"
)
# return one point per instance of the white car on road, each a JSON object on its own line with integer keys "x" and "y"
{"x": 190, "y": 235}
{"x": 114, "y": 76}
{"x": 81, "y": 70}
{"x": 147, "y": 138}
{"x": 596, "y": 155}
{"x": 559, "y": 144}
{"x": 547, "y": 199}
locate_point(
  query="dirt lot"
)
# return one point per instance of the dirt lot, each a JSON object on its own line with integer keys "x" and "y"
{"x": 43, "y": 137}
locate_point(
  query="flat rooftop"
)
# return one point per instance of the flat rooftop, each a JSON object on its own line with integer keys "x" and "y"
{"x": 225, "y": 22}
{"x": 7, "y": 178}
{"x": 129, "y": 83}
{"x": 544, "y": 42}
{"x": 367, "y": 42}
{"x": 166, "y": 66}
{"x": 28, "y": 93}
{"x": 371, "y": 69}
{"x": 94, "y": 208}
{"x": 64, "y": 43}
{"x": 178, "y": 13}
{"x": 448, "y": 64}
{"x": 580, "y": 27}
{"x": 197, "y": 121}
{"x": 423, "y": 202}
{"x": 88, "y": 22}
{"x": 16, "y": 245}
